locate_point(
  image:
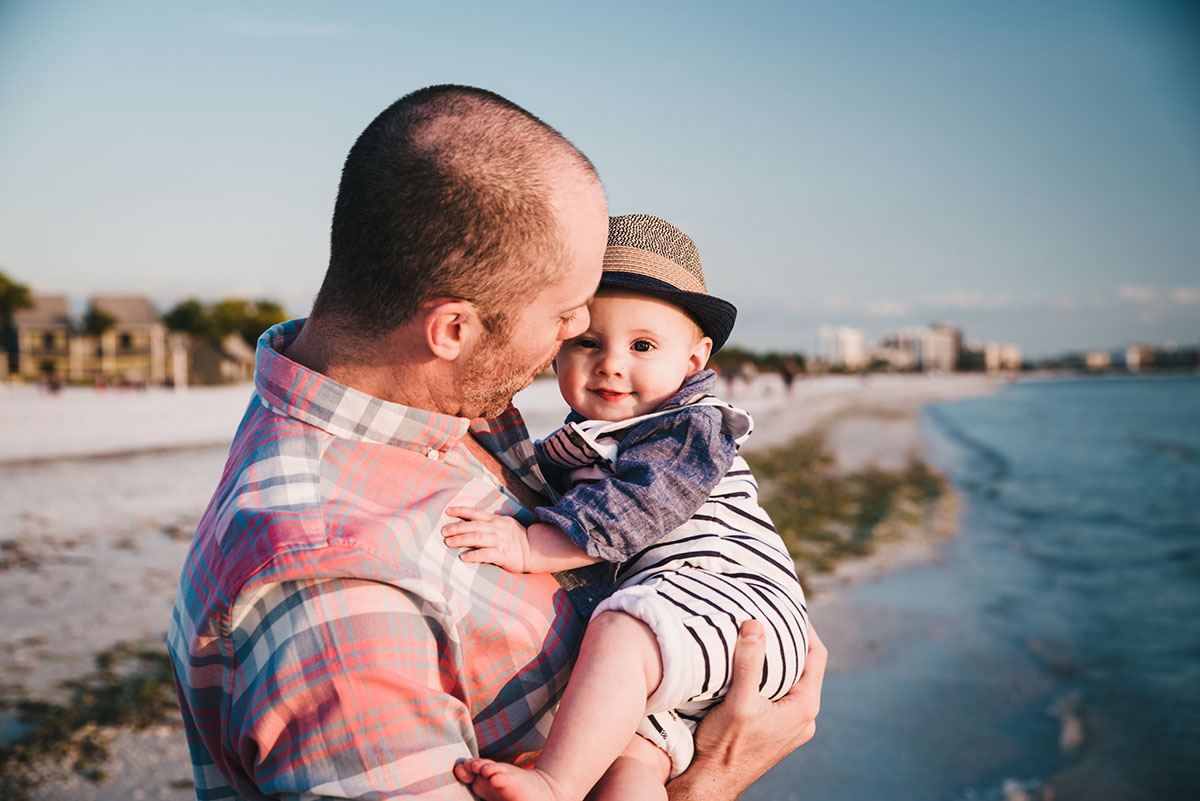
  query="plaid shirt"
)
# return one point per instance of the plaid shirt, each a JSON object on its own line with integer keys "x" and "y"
{"x": 325, "y": 642}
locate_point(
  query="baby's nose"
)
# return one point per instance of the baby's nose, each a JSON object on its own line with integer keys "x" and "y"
{"x": 611, "y": 363}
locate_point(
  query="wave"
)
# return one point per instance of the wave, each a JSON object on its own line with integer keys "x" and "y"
{"x": 994, "y": 465}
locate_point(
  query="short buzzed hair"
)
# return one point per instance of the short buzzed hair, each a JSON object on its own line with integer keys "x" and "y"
{"x": 444, "y": 194}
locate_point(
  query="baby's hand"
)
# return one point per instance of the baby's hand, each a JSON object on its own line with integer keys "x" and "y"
{"x": 493, "y": 539}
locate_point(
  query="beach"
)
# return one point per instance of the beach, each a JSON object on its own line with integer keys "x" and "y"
{"x": 100, "y": 494}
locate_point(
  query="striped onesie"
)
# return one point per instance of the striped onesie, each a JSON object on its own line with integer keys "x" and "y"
{"x": 694, "y": 584}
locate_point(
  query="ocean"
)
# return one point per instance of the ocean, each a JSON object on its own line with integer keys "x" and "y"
{"x": 1056, "y": 641}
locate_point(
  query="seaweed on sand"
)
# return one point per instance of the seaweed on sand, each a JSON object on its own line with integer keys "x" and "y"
{"x": 825, "y": 516}
{"x": 131, "y": 687}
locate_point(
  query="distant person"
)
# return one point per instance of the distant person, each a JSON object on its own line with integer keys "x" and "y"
{"x": 649, "y": 467}
{"x": 325, "y": 643}
{"x": 748, "y": 371}
{"x": 788, "y": 370}
{"x": 731, "y": 373}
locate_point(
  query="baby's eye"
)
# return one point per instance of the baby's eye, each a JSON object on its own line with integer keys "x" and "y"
{"x": 584, "y": 342}
{"x": 642, "y": 345}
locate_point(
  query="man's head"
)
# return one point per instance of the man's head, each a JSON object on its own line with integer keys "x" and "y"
{"x": 448, "y": 193}
{"x": 466, "y": 219}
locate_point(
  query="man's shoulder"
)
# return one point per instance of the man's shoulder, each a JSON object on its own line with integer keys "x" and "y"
{"x": 274, "y": 457}
{"x": 292, "y": 492}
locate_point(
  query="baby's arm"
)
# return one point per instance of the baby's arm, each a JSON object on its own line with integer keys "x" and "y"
{"x": 666, "y": 469}
{"x": 502, "y": 541}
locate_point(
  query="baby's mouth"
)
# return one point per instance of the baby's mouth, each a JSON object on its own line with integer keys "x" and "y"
{"x": 610, "y": 395}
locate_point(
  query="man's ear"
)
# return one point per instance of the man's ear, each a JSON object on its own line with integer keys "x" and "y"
{"x": 450, "y": 325}
{"x": 700, "y": 353}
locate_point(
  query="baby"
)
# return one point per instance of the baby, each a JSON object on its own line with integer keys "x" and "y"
{"x": 650, "y": 478}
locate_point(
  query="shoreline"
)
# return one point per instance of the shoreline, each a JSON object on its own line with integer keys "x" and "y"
{"x": 875, "y": 424}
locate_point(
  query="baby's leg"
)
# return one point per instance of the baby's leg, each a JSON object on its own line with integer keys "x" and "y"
{"x": 640, "y": 772}
{"x": 619, "y": 666}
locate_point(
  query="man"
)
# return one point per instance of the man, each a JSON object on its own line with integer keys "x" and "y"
{"x": 326, "y": 643}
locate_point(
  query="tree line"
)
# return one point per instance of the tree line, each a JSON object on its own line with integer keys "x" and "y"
{"x": 215, "y": 321}
{"x": 731, "y": 357}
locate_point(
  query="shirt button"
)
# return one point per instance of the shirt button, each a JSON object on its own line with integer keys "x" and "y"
{"x": 432, "y": 453}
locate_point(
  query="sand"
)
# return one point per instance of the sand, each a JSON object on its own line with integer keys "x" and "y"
{"x": 99, "y": 494}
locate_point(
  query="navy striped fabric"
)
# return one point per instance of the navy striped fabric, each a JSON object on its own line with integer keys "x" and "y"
{"x": 695, "y": 584}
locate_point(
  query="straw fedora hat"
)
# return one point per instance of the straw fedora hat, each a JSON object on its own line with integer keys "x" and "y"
{"x": 647, "y": 254}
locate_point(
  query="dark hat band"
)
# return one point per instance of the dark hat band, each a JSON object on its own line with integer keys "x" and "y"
{"x": 714, "y": 315}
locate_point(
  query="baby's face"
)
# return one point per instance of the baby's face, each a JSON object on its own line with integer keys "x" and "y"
{"x": 635, "y": 354}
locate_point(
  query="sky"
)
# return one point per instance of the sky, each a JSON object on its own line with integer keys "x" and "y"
{"x": 1027, "y": 170}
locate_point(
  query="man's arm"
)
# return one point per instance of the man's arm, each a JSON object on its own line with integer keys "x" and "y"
{"x": 746, "y": 735}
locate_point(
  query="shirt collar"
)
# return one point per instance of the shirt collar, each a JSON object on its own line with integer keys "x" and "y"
{"x": 702, "y": 382}
{"x": 291, "y": 389}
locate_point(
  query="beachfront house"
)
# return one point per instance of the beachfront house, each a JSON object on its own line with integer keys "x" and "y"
{"x": 119, "y": 341}
{"x": 228, "y": 361}
{"x": 44, "y": 340}
{"x": 130, "y": 346}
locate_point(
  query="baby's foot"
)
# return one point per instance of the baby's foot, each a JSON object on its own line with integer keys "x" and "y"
{"x": 499, "y": 781}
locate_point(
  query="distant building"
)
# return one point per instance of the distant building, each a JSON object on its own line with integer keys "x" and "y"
{"x": 941, "y": 348}
{"x": 934, "y": 347}
{"x": 902, "y": 349}
{"x": 1097, "y": 360}
{"x": 1001, "y": 358}
{"x": 1139, "y": 356}
{"x": 842, "y": 346}
{"x": 973, "y": 357}
{"x": 134, "y": 349}
{"x": 1011, "y": 357}
{"x": 891, "y": 354}
{"x": 44, "y": 340}
{"x": 229, "y": 361}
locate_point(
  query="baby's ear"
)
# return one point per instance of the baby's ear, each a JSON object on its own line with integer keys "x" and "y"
{"x": 700, "y": 353}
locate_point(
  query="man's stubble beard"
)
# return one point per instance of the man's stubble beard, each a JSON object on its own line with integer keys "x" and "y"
{"x": 490, "y": 379}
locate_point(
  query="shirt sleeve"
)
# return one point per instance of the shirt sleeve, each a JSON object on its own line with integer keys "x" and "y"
{"x": 665, "y": 471}
{"x": 340, "y": 693}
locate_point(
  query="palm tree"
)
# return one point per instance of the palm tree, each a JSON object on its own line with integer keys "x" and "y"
{"x": 96, "y": 322}
{"x": 13, "y": 297}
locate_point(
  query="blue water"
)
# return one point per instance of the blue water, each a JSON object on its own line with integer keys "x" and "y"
{"x": 1072, "y": 593}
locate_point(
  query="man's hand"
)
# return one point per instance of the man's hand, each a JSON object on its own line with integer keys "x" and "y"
{"x": 492, "y": 539}
{"x": 746, "y": 735}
